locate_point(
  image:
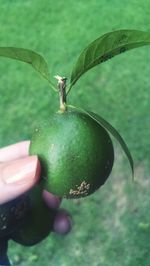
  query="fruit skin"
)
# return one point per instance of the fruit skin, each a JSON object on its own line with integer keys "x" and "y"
{"x": 76, "y": 154}
{"x": 12, "y": 214}
{"x": 38, "y": 222}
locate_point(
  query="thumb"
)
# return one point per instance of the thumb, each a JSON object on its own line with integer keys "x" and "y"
{"x": 16, "y": 177}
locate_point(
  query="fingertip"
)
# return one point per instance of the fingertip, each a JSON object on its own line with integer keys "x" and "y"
{"x": 14, "y": 151}
{"x": 51, "y": 200}
{"x": 19, "y": 176}
{"x": 63, "y": 222}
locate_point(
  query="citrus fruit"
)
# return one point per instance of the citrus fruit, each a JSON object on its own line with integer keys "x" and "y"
{"x": 76, "y": 153}
{"x": 38, "y": 221}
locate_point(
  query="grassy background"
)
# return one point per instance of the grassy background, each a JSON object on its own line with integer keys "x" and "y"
{"x": 111, "y": 227}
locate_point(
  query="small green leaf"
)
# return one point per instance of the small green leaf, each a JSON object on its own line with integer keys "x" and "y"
{"x": 30, "y": 57}
{"x": 106, "y": 47}
{"x": 113, "y": 131}
{"x": 116, "y": 134}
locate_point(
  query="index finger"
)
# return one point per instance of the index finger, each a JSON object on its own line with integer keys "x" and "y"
{"x": 14, "y": 151}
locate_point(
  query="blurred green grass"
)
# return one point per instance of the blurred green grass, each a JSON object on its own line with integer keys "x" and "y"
{"x": 106, "y": 227}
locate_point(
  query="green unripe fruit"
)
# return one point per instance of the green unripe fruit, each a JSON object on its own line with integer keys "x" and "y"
{"x": 37, "y": 223}
{"x": 75, "y": 152}
{"x": 12, "y": 214}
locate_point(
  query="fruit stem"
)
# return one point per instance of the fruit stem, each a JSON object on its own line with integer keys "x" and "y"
{"x": 62, "y": 92}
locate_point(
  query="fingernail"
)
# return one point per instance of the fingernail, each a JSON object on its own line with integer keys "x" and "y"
{"x": 20, "y": 171}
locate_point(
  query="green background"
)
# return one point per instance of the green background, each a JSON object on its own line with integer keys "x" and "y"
{"x": 111, "y": 227}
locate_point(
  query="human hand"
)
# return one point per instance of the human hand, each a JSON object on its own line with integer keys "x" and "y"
{"x": 19, "y": 172}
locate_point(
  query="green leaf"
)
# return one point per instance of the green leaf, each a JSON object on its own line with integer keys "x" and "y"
{"x": 113, "y": 131}
{"x": 115, "y": 134}
{"x": 30, "y": 57}
{"x": 106, "y": 47}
